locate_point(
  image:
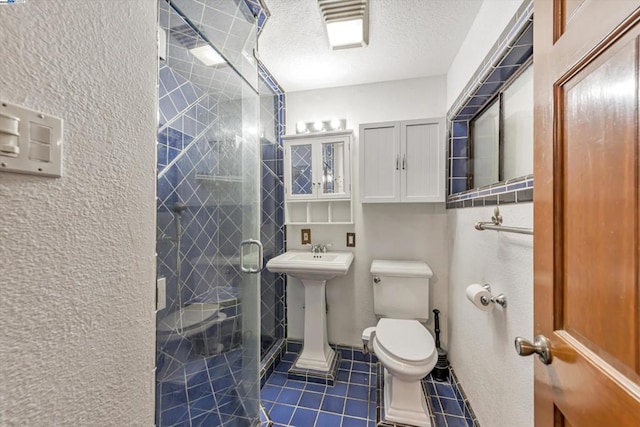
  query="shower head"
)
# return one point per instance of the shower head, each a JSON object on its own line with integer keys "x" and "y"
{"x": 178, "y": 208}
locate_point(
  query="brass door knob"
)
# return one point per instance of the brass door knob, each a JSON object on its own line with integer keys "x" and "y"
{"x": 541, "y": 346}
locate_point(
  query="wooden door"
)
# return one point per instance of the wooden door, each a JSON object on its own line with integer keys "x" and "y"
{"x": 586, "y": 251}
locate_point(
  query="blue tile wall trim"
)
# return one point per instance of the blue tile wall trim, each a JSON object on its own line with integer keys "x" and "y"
{"x": 513, "y": 49}
{"x": 273, "y": 288}
{"x": 260, "y": 11}
{"x": 517, "y": 190}
{"x": 462, "y": 399}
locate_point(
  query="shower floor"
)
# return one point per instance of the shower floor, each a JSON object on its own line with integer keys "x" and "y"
{"x": 204, "y": 392}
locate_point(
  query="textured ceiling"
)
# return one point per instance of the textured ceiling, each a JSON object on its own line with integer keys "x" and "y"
{"x": 407, "y": 39}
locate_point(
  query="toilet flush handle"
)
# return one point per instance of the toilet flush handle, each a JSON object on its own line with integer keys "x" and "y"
{"x": 376, "y": 279}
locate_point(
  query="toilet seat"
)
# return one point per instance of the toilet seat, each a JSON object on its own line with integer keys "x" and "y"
{"x": 406, "y": 340}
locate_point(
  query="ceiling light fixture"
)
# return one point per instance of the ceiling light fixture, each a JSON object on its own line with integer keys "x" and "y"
{"x": 321, "y": 126}
{"x": 207, "y": 55}
{"x": 347, "y": 22}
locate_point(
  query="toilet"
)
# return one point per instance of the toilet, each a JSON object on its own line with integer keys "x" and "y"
{"x": 402, "y": 344}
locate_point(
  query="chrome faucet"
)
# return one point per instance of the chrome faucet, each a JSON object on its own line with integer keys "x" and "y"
{"x": 320, "y": 248}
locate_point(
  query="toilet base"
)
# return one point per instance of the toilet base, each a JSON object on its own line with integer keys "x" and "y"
{"x": 404, "y": 402}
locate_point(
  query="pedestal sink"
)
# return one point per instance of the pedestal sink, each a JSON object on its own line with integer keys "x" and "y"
{"x": 313, "y": 269}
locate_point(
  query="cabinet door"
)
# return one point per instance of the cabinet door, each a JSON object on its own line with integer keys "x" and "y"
{"x": 299, "y": 171}
{"x": 333, "y": 168}
{"x": 380, "y": 162}
{"x": 422, "y": 163}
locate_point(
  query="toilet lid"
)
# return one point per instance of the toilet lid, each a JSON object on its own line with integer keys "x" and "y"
{"x": 405, "y": 339}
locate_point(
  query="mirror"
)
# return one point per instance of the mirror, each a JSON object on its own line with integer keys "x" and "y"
{"x": 517, "y": 151}
{"x": 502, "y": 135}
{"x": 301, "y": 177}
{"x": 486, "y": 146}
{"x": 333, "y": 168}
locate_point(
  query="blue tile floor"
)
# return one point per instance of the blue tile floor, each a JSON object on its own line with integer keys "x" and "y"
{"x": 448, "y": 411}
{"x": 351, "y": 402}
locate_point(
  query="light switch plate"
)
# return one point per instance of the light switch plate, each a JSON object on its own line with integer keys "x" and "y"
{"x": 305, "y": 236}
{"x": 351, "y": 240}
{"x": 38, "y": 148}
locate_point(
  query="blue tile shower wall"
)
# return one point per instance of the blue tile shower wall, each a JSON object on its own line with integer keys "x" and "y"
{"x": 513, "y": 49}
{"x": 198, "y": 376}
{"x": 205, "y": 269}
{"x": 273, "y": 296}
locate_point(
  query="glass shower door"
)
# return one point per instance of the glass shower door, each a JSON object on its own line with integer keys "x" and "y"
{"x": 208, "y": 335}
{"x": 251, "y": 253}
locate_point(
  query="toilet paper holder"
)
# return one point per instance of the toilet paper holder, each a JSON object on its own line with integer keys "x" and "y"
{"x": 500, "y": 299}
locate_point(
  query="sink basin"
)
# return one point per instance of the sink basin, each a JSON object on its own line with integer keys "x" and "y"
{"x": 313, "y": 270}
{"x": 311, "y": 266}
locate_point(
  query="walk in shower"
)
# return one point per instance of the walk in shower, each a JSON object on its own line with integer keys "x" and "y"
{"x": 209, "y": 202}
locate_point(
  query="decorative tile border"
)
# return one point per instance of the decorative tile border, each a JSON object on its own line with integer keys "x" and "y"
{"x": 495, "y": 66}
{"x": 260, "y": 11}
{"x": 271, "y": 360}
{"x": 266, "y": 75}
{"x": 512, "y": 51}
{"x": 517, "y": 190}
{"x": 462, "y": 399}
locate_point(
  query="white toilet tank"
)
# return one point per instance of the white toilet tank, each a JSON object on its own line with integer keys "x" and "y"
{"x": 401, "y": 289}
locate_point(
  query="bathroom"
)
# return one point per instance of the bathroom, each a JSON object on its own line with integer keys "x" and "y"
{"x": 81, "y": 342}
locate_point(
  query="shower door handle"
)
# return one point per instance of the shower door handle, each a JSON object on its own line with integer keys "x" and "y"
{"x": 250, "y": 242}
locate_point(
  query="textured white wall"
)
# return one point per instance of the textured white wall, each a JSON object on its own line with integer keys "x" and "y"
{"x": 77, "y": 304}
{"x": 491, "y": 20}
{"x": 391, "y": 231}
{"x": 498, "y": 382}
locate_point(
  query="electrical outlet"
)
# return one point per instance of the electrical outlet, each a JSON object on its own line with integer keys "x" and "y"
{"x": 351, "y": 240}
{"x": 305, "y": 236}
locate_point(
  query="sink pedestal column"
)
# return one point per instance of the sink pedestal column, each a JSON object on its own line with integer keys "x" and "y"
{"x": 316, "y": 353}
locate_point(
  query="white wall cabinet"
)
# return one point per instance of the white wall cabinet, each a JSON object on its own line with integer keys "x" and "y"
{"x": 402, "y": 161}
{"x": 317, "y": 174}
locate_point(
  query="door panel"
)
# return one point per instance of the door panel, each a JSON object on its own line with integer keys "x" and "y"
{"x": 586, "y": 212}
{"x": 421, "y": 156}
{"x": 594, "y": 139}
{"x": 565, "y": 10}
{"x": 379, "y": 177}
